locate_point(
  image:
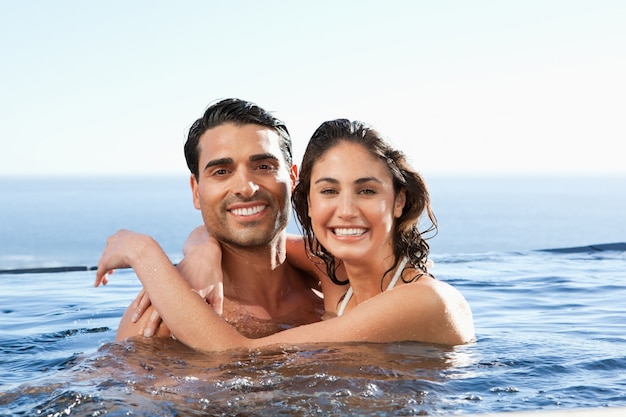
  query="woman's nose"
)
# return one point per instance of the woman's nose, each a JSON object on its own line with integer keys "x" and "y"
{"x": 347, "y": 207}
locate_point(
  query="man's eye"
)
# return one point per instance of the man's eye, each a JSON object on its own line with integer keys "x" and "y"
{"x": 266, "y": 167}
{"x": 220, "y": 172}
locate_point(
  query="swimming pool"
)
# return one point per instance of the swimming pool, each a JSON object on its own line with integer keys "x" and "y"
{"x": 551, "y": 335}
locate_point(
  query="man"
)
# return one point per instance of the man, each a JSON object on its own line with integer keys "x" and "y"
{"x": 242, "y": 176}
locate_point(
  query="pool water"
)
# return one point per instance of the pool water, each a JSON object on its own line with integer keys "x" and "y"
{"x": 550, "y": 325}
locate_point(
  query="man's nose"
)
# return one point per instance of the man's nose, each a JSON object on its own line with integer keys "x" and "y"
{"x": 245, "y": 185}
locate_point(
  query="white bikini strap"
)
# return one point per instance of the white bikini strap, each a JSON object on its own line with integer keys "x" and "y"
{"x": 397, "y": 274}
{"x": 348, "y": 295}
{"x": 344, "y": 302}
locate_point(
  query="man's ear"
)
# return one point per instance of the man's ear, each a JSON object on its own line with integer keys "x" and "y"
{"x": 398, "y": 205}
{"x": 293, "y": 174}
{"x": 194, "y": 191}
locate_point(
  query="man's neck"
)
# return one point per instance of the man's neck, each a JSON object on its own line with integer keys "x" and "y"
{"x": 259, "y": 283}
{"x": 256, "y": 275}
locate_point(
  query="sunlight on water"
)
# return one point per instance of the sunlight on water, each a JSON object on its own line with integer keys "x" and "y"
{"x": 550, "y": 335}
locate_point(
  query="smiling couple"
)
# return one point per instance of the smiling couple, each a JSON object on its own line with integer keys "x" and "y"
{"x": 359, "y": 203}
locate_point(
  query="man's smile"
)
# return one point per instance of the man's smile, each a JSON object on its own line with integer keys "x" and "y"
{"x": 248, "y": 211}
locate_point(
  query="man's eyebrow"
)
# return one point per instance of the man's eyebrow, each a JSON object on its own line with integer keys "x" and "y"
{"x": 230, "y": 161}
{"x": 220, "y": 161}
{"x": 262, "y": 156}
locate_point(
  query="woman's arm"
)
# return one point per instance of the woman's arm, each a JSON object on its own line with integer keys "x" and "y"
{"x": 428, "y": 311}
{"x": 298, "y": 257}
{"x": 201, "y": 268}
{"x": 425, "y": 311}
{"x": 169, "y": 292}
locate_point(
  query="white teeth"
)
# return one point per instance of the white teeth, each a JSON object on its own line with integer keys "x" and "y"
{"x": 247, "y": 211}
{"x": 353, "y": 231}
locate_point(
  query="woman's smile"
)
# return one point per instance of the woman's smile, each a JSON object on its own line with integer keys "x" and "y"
{"x": 351, "y": 206}
{"x": 349, "y": 231}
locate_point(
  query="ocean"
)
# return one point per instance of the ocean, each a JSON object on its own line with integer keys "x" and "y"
{"x": 541, "y": 260}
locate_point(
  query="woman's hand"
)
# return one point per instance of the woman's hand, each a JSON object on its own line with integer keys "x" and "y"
{"x": 213, "y": 294}
{"x": 119, "y": 251}
{"x": 205, "y": 277}
{"x": 202, "y": 269}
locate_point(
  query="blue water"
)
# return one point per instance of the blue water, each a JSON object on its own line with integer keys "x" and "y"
{"x": 551, "y": 324}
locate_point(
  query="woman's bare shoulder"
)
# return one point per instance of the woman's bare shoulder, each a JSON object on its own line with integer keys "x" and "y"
{"x": 439, "y": 306}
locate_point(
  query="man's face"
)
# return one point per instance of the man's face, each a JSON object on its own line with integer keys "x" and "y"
{"x": 244, "y": 186}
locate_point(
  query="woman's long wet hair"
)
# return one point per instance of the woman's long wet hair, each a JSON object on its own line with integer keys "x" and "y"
{"x": 407, "y": 240}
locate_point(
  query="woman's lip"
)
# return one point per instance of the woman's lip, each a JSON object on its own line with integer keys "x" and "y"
{"x": 352, "y": 231}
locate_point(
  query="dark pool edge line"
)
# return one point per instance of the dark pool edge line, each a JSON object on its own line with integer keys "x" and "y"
{"x": 54, "y": 269}
{"x": 617, "y": 246}
{"x": 48, "y": 270}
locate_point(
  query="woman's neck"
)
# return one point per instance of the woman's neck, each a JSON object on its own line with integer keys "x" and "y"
{"x": 369, "y": 279}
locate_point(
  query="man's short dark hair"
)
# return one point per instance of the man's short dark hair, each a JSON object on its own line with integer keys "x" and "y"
{"x": 238, "y": 112}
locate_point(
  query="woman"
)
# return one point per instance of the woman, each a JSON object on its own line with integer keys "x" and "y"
{"x": 359, "y": 203}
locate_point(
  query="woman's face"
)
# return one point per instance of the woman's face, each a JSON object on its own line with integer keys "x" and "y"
{"x": 352, "y": 205}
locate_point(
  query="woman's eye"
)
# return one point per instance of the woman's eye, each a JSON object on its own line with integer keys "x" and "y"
{"x": 367, "y": 191}
{"x": 328, "y": 191}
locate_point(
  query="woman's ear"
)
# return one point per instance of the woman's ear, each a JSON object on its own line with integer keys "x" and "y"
{"x": 398, "y": 205}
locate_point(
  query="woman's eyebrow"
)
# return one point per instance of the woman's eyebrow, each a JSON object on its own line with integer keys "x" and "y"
{"x": 367, "y": 179}
{"x": 326, "y": 179}
{"x": 357, "y": 181}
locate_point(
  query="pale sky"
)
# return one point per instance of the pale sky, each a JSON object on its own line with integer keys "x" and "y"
{"x": 479, "y": 87}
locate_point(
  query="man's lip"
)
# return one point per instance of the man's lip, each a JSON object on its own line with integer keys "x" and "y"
{"x": 250, "y": 209}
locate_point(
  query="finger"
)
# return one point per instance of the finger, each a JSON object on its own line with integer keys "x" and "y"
{"x": 101, "y": 278}
{"x": 153, "y": 323}
{"x": 138, "y": 298}
{"x": 142, "y": 302}
{"x": 216, "y": 298}
{"x": 204, "y": 292}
